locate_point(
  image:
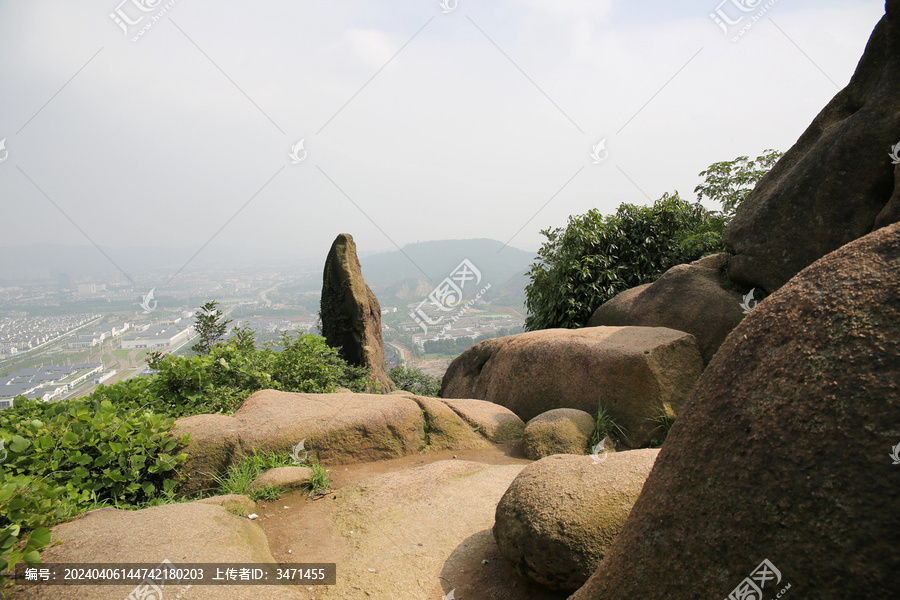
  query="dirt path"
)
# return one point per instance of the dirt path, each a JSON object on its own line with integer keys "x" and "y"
{"x": 409, "y": 528}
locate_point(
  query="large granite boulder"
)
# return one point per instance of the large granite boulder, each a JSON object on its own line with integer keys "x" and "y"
{"x": 836, "y": 183}
{"x": 561, "y": 514}
{"x": 558, "y": 431}
{"x": 338, "y": 429}
{"x": 351, "y": 315}
{"x": 194, "y": 532}
{"x": 782, "y": 451}
{"x": 635, "y": 373}
{"x": 691, "y": 298}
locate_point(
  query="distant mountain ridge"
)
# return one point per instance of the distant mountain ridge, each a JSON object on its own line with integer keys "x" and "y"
{"x": 399, "y": 277}
{"x": 435, "y": 260}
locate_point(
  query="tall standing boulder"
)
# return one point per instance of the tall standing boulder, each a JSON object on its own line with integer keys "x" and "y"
{"x": 836, "y": 184}
{"x": 351, "y": 315}
{"x": 783, "y": 451}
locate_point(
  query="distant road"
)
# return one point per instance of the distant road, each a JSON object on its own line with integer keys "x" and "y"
{"x": 262, "y": 294}
{"x": 403, "y": 352}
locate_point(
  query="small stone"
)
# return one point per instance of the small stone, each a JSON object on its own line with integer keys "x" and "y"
{"x": 253, "y": 516}
{"x": 371, "y": 570}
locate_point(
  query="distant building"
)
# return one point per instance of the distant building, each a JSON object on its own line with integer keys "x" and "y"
{"x": 46, "y": 382}
{"x": 159, "y": 336}
{"x": 105, "y": 377}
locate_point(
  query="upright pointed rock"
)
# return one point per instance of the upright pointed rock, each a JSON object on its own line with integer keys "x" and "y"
{"x": 351, "y": 315}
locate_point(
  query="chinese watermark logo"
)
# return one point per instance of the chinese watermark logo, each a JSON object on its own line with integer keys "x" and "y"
{"x": 895, "y": 455}
{"x": 145, "y": 304}
{"x": 894, "y": 154}
{"x": 295, "y": 454}
{"x": 748, "y": 299}
{"x": 449, "y": 6}
{"x": 151, "y": 587}
{"x": 599, "y": 152}
{"x": 123, "y": 19}
{"x": 751, "y": 588}
{"x": 295, "y": 155}
{"x": 4, "y": 153}
{"x": 448, "y": 295}
{"x": 738, "y": 11}
{"x": 599, "y": 452}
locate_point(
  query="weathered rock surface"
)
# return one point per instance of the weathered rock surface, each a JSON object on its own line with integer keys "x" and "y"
{"x": 338, "y": 428}
{"x": 633, "y": 372}
{"x": 214, "y": 443}
{"x": 561, "y": 514}
{"x": 495, "y": 422}
{"x": 781, "y": 453}
{"x": 286, "y": 478}
{"x": 558, "y": 431}
{"x": 446, "y": 429}
{"x": 687, "y": 298}
{"x": 181, "y": 533}
{"x": 351, "y": 315}
{"x": 835, "y": 184}
{"x": 233, "y": 503}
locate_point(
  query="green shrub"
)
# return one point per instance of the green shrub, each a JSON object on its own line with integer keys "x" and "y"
{"x": 596, "y": 257}
{"x": 220, "y": 381}
{"x": 415, "y": 381}
{"x": 65, "y": 457}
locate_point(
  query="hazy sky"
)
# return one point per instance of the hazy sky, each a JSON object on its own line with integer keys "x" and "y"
{"x": 418, "y": 124}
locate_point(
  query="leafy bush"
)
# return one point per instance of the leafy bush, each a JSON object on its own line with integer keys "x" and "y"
{"x": 596, "y": 257}
{"x": 65, "y": 457}
{"x": 729, "y": 182}
{"x": 220, "y": 381}
{"x": 415, "y": 381}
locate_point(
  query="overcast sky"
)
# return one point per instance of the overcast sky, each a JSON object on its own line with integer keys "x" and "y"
{"x": 417, "y": 124}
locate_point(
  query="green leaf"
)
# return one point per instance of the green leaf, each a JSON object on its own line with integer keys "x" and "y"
{"x": 19, "y": 444}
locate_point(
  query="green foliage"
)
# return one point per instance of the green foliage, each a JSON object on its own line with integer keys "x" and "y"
{"x": 664, "y": 419}
{"x": 239, "y": 476}
{"x": 222, "y": 380}
{"x": 321, "y": 480}
{"x": 210, "y": 326}
{"x": 415, "y": 381}
{"x": 596, "y": 257}
{"x": 605, "y": 426}
{"x": 729, "y": 182}
{"x": 62, "y": 458}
